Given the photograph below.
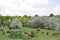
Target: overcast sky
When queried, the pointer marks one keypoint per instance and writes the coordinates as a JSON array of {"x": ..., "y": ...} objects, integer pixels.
[{"x": 29, "y": 7}]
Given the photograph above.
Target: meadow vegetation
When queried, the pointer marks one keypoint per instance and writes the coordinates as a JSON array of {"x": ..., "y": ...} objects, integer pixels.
[{"x": 30, "y": 27}]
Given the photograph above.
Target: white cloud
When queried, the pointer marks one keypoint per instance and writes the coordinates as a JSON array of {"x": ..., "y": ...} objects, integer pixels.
[
  {"x": 22, "y": 7},
  {"x": 57, "y": 10},
  {"x": 36, "y": 2},
  {"x": 41, "y": 11}
]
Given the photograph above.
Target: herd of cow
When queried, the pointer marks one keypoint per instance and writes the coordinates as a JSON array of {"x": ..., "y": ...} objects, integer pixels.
[{"x": 31, "y": 34}]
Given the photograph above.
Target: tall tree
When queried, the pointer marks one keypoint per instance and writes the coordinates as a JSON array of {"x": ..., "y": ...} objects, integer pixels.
[
  {"x": 51, "y": 15},
  {"x": 36, "y": 15},
  {"x": 25, "y": 16}
]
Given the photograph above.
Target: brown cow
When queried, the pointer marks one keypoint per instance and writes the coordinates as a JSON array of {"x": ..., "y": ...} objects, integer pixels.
[
  {"x": 9, "y": 31},
  {"x": 55, "y": 33},
  {"x": 3, "y": 33},
  {"x": 25, "y": 33},
  {"x": 31, "y": 35},
  {"x": 38, "y": 29},
  {"x": 42, "y": 32},
  {"x": 32, "y": 32},
  {"x": 1, "y": 29}
]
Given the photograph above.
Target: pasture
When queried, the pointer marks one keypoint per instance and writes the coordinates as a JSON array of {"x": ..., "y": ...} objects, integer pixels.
[{"x": 39, "y": 35}]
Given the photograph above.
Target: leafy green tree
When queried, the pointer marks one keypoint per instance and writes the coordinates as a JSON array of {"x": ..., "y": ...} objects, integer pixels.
[
  {"x": 24, "y": 21},
  {"x": 36, "y": 15},
  {"x": 51, "y": 15},
  {"x": 25, "y": 16}
]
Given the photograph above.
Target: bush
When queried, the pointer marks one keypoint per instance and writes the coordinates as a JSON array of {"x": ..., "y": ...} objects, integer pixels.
[
  {"x": 19, "y": 35},
  {"x": 43, "y": 22},
  {"x": 15, "y": 24}
]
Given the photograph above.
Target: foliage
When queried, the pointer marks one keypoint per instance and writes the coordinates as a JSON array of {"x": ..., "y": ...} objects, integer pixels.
[
  {"x": 51, "y": 15},
  {"x": 54, "y": 23},
  {"x": 37, "y": 22},
  {"x": 15, "y": 24},
  {"x": 43, "y": 22},
  {"x": 24, "y": 21},
  {"x": 17, "y": 34},
  {"x": 4, "y": 20}
]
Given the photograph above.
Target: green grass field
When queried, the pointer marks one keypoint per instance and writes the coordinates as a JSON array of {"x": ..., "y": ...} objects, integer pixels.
[{"x": 38, "y": 37}]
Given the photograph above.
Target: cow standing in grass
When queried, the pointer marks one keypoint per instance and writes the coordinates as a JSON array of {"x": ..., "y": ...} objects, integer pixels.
[
  {"x": 38, "y": 30},
  {"x": 47, "y": 33},
  {"x": 31, "y": 35},
  {"x": 55, "y": 33},
  {"x": 42, "y": 32},
  {"x": 2, "y": 31},
  {"x": 9, "y": 31},
  {"x": 25, "y": 33}
]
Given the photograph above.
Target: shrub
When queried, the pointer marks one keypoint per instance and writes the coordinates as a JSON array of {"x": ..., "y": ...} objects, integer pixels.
[
  {"x": 43, "y": 22},
  {"x": 37, "y": 22},
  {"x": 17, "y": 34},
  {"x": 15, "y": 24}
]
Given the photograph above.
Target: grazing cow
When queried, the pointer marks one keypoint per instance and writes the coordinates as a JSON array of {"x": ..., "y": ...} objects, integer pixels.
[
  {"x": 55, "y": 33},
  {"x": 38, "y": 29},
  {"x": 25, "y": 32},
  {"x": 1, "y": 29},
  {"x": 42, "y": 32},
  {"x": 47, "y": 33},
  {"x": 32, "y": 32},
  {"x": 3, "y": 33},
  {"x": 31, "y": 35},
  {"x": 9, "y": 31}
]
